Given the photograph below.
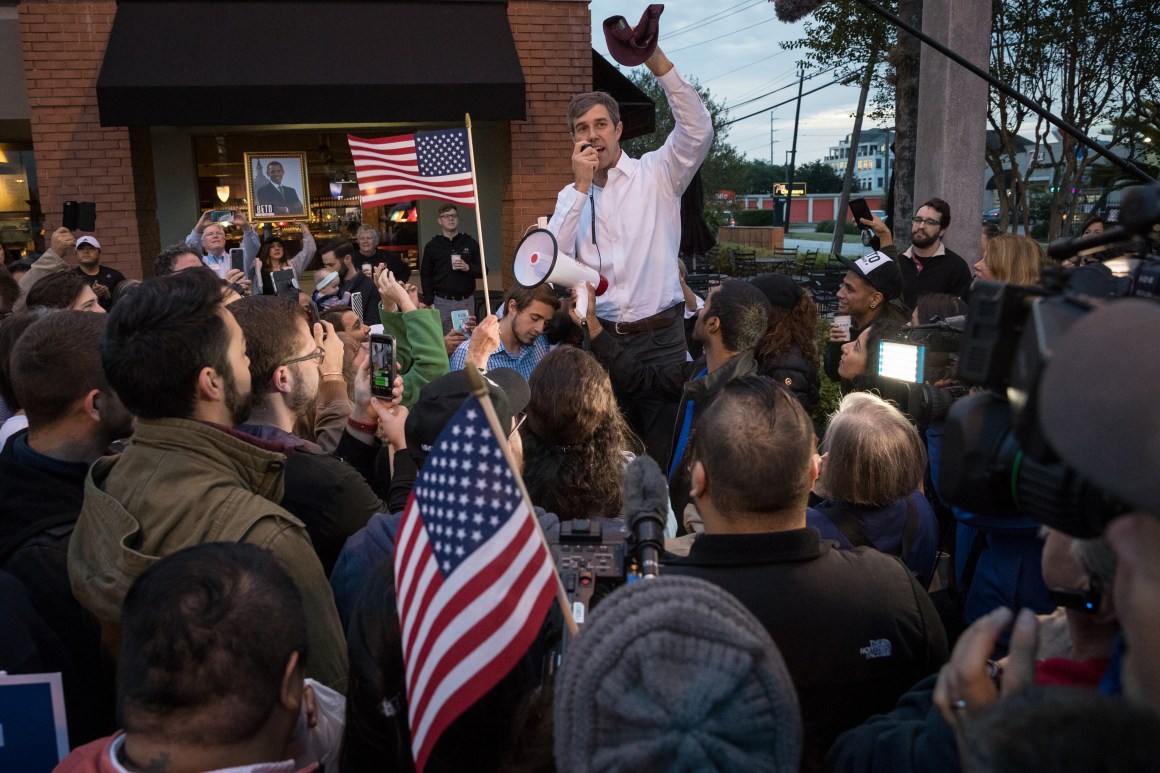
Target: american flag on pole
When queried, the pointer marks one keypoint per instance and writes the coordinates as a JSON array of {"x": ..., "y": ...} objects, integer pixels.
[
  {"x": 423, "y": 165},
  {"x": 472, "y": 576}
]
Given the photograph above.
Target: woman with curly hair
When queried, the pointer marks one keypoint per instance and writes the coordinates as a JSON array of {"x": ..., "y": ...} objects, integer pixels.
[
  {"x": 576, "y": 441},
  {"x": 788, "y": 353},
  {"x": 272, "y": 257}
]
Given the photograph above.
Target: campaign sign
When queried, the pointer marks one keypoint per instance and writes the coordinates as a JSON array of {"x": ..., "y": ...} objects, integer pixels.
[{"x": 33, "y": 731}]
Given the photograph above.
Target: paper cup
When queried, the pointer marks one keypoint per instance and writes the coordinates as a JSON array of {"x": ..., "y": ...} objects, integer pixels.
[{"x": 843, "y": 321}]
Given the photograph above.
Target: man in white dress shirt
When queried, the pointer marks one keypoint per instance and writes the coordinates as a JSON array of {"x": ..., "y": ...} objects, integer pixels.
[{"x": 637, "y": 233}]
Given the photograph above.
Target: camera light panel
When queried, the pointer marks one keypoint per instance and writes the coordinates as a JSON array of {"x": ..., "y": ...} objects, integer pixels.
[{"x": 901, "y": 361}]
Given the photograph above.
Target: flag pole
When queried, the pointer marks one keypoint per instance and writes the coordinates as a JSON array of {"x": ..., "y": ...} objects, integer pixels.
[
  {"x": 478, "y": 221},
  {"x": 479, "y": 389}
]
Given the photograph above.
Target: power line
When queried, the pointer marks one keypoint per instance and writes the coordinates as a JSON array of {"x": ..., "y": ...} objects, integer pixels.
[
  {"x": 781, "y": 88},
  {"x": 834, "y": 82},
  {"x": 760, "y": 86},
  {"x": 712, "y": 18},
  {"x": 727, "y": 34},
  {"x": 742, "y": 67}
]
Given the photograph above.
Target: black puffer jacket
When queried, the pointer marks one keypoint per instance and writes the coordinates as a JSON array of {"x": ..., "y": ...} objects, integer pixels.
[{"x": 798, "y": 373}]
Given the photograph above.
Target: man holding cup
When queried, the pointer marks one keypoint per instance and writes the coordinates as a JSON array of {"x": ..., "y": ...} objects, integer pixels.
[
  {"x": 451, "y": 264},
  {"x": 870, "y": 291}
]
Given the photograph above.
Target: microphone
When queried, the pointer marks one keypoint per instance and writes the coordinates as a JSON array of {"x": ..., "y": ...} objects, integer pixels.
[
  {"x": 646, "y": 504},
  {"x": 591, "y": 197},
  {"x": 792, "y": 10},
  {"x": 1062, "y": 249}
]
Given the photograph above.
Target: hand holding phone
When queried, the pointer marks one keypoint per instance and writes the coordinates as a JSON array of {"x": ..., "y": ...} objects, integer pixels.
[
  {"x": 459, "y": 319},
  {"x": 861, "y": 211},
  {"x": 382, "y": 365}
]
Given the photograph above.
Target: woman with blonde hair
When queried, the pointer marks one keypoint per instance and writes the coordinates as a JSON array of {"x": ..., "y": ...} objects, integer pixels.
[
  {"x": 870, "y": 477},
  {"x": 1013, "y": 259}
]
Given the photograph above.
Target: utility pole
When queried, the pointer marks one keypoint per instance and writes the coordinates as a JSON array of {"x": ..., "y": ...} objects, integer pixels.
[
  {"x": 772, "y": 200},
  {"x": 793, "y": 152}
]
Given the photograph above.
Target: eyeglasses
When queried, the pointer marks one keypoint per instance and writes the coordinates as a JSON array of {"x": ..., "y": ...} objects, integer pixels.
[
  {"x": 926, "y": 221},
  {"x": 318, "y": 354},
  {"x": 448, "y": 216}
]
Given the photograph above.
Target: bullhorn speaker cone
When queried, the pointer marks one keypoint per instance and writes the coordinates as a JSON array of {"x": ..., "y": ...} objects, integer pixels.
[{"x": 539, "y": 260}]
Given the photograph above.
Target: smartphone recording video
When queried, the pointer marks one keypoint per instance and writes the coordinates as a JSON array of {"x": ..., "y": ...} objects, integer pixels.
[{"x": 382, "y": 365}]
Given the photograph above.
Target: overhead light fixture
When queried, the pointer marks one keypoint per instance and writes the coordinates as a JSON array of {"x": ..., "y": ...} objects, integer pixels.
[
  {"x": 336, "y": 190},
  {"x": 223, "y": 193}
]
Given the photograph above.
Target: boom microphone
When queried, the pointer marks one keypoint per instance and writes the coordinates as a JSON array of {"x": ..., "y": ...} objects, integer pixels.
[
  {"x": 792, "y": 10},
  {"x": 646, "y": 505}
]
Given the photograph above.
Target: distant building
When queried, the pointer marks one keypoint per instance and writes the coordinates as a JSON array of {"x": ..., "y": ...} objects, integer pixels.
[{"x": 872, "y": 167}]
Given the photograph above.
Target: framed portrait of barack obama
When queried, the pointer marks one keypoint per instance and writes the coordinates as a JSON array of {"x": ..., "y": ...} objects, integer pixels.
[{"x": 276, "y": 186}]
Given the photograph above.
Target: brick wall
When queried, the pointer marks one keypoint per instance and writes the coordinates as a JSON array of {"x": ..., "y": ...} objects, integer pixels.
[
  {"x": 554, "y": 42},
  {"x": 63, "y": 44}
]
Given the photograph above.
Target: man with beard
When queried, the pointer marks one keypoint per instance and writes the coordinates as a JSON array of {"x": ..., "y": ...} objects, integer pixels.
[
  {"x": 102, "y": 279},
  {"x": 338, "y": 256},
  {"x": 330, "y": 494},
  {"x": 732, "y": 322},
  {"x": 928, "y": 266},
  {"x": 177, "y": 359}
]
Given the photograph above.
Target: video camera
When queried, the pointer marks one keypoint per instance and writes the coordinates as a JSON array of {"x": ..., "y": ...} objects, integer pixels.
[
  {"x": 596, "y": 556},
  {"x": 911, "y": 362},
  {"x": 996, "y": 458}
]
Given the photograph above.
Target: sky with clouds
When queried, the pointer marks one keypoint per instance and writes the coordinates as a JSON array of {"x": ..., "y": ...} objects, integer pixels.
[{"x": 731, "y": 47}]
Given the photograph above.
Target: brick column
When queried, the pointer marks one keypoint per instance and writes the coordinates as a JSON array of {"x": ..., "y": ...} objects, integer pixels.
[
  {"x": 554, "y": 41},
  {"x": 63, "y": 43}
]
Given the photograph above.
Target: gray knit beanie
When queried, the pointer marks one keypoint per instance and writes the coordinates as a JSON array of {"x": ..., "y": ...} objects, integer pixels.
[{"x": 675, "y": 674}]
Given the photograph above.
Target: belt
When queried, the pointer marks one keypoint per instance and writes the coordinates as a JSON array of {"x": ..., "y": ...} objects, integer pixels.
[
  {"x": 454, "y": 297},
  {"x": 655, "y": 322}
]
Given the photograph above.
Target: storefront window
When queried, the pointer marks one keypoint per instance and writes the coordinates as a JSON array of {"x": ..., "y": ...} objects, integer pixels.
[
  {"x": 334, "y": 208},
  {"x": 20, "y": 217}
]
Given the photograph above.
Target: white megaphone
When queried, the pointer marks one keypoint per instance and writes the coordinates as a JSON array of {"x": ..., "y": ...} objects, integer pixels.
[{"x": 539, "y": 260}]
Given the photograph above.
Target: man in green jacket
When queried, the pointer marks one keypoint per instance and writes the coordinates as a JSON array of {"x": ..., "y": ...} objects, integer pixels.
[{"x": 177, "y": 358}]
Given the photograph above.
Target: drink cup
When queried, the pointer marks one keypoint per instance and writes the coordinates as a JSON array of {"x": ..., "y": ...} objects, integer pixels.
[{"x": 843, "y": 321}]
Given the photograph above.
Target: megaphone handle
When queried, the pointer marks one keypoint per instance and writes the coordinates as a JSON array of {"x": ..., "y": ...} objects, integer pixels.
[{"x": 582, "y": 300}]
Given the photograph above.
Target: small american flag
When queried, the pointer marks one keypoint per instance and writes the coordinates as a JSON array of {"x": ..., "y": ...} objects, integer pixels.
[
  {"x": 423, "y": 165},
  {"x": 473, "y": 577}
]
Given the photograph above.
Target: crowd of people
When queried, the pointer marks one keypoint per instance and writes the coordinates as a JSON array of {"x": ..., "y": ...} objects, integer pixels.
[{"x": 202, "y": 500}]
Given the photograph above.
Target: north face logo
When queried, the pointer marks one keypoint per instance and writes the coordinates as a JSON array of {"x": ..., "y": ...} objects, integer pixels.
[{"x": 877, "y": 648}]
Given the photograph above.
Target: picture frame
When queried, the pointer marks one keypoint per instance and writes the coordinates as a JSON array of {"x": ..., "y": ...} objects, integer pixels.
[{"x": 270, "y": 200}]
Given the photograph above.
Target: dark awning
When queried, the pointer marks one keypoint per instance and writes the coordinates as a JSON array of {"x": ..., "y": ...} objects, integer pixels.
[
  {"x": 255, "y": 62},
  {"x": 637, "y": 111}
]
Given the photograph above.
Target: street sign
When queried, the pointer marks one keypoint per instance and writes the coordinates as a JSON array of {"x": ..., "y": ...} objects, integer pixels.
[{"x": 782, "y": 189}]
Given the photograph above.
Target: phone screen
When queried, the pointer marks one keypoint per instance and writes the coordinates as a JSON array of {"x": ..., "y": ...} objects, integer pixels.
[
  {"x": 458, "y": 319},
  {"x": 221, "y": 216},
  {"x": 382, "y": 365}
]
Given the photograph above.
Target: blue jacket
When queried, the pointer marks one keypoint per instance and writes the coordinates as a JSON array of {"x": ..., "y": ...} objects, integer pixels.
[{"x": 883, "y": 527}]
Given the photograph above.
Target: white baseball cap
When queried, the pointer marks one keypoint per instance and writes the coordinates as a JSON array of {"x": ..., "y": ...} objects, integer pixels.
[{"x": 81, "y": 242}]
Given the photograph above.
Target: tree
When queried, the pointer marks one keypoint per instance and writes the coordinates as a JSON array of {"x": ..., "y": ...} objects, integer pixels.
[
  {"x": 723, "y": 167},
  {"x": 1089, "y": 62},
  {"x": 850, "y": 38}
]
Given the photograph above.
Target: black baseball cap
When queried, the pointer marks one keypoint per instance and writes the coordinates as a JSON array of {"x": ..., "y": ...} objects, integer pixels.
[
  {"x": 439, "y": 400},
  {"x": 879, "y": 271}
]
